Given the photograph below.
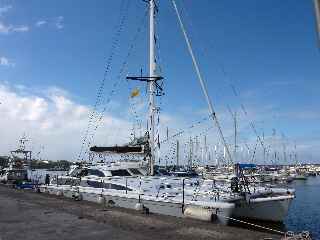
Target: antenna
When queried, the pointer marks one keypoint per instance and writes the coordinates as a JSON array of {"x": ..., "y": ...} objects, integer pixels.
[
  {"x": 295, "y": 153},
  {"x": 205, "y": 151},
  {"x": 234, "y": 116},
  {"x": 284, "y": 148}
]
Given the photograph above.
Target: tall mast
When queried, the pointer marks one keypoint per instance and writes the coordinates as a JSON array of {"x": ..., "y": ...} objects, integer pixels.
[
  {"x": 190, "y": 153},
  {"x": 152, "y": 69},
  {"x": 235, "y": 137},
  {"x": 264, "y": 149},
  {"x": 155, "y": 86},
  {"x": 177, "y": 164},
  {"x": 234, "y": 116},
  {"x": 205, "y": 160}
]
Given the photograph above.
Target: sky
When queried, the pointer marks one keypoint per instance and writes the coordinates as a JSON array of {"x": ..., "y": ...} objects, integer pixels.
[{"x": 54, "y": 56}]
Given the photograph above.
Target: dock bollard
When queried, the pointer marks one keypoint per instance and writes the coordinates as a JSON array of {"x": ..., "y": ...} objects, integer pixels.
[
  {"x": 77, "y": 196},
  {"x": 59, "y": 193},
  {"x": 138, "y": 207},
  {"x": 101, "y": 200}
]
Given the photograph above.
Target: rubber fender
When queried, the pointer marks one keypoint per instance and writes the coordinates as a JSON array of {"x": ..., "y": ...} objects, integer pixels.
[
  {"x": 59, "y": 193},
  {"x": 138, "y": 207},
  {"x": 199, "y": 213}
]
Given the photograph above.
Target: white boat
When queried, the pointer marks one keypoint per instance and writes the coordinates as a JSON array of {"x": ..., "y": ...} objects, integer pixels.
[
  {"x": 273, "y": 208},
  {"x": 125, "y": 184},
  {"x": 175, "y": 193},
  {"x": 19, "y": 162},
  {"x": 299, "y": 177},
  {"x": 13, "y": 175},
  {"x": 174, "y": 196}
]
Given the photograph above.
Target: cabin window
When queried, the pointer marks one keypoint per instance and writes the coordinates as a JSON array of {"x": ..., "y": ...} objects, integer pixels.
[
  {"x": 95, "y": 173},
  {"x": 98, "y": 184},
  {"x": 135, "y": 171},
  {"x": 79, "y": 173},
  {"x": 95, "y": 184},
  {"x": 75, "y": 172},
  {"x": 119, "y": 187},
  {"x": 120, "y": 172},
  {"x": 83, "y": 173},
  {"x": 73, "y": 182}
]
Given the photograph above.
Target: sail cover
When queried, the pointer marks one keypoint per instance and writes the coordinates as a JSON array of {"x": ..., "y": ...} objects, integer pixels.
[
  {"x": 247, "y": 166},
  {"x": 118, "y": 149}
]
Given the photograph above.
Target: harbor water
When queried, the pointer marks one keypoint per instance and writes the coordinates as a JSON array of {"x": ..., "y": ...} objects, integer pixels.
[{"x": 304, "y": 213}]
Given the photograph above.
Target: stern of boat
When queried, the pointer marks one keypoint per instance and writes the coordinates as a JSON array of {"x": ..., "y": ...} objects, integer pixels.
[{"x": 271, "y": 209}]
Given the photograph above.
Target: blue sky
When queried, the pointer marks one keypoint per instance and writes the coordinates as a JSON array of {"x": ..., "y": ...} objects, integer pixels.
[{"x": 268, "y": 50}]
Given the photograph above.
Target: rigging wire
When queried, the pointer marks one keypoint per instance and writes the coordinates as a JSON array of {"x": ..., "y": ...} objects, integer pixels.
[
  {"x": 159, "y": 70},
  {"x": 202, "y": 83},
  {"x": 232, "y": 87},
  {"x": 172, "y": 148},
  {"x": 114, "y": 45},
  {"x": 182, "y": 131},
  {"x": 133, "y": 107},
  {"x": 122, "y": 71}
]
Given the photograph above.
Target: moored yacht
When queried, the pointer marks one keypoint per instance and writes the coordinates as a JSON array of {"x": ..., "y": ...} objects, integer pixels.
[
  {"x": 18, "y": 164},
  {"x": 134, "y": 184}
]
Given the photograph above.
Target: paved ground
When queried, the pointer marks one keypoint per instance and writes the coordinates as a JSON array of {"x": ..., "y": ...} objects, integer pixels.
[{"x": 29, "y": 216}]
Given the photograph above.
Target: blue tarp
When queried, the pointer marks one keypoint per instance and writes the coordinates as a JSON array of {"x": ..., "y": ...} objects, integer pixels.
[
  {"x": 247, "y": 165},
  {"x": 25, "y": 185}
]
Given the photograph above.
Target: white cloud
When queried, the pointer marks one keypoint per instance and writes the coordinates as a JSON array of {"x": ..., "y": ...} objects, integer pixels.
[
  {"x": 52, "y": 120},
  {"x": 22, "y": 28},
  {"x": 6, "y": 29},
  {"x": 41, "y": 23},
  {"x": 9, "y": 28},
  {"x": 6, "y": 62},
  {"x": 59, "y": 22},
  {"x": 56, "y": 22},
  {"x": 4, "y": 9}
]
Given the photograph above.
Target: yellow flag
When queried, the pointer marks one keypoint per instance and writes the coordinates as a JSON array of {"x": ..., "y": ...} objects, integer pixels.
[{"x": 135, "y": 92}]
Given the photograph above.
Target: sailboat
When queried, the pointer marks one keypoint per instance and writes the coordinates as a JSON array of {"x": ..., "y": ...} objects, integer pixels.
[{"x": 134, "y": 185}]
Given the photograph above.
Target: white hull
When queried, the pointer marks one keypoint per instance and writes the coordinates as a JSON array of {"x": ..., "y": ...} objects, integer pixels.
[
  {"x": 274, "y": 210},
  {"x": 154, "y": 205},
  {"x": 300, "y": 177}
]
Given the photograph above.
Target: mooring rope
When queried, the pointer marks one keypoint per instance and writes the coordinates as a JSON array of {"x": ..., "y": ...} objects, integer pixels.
[
  {"x": 287, "y": 235},
  {"x": 252, "y": 224}
]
